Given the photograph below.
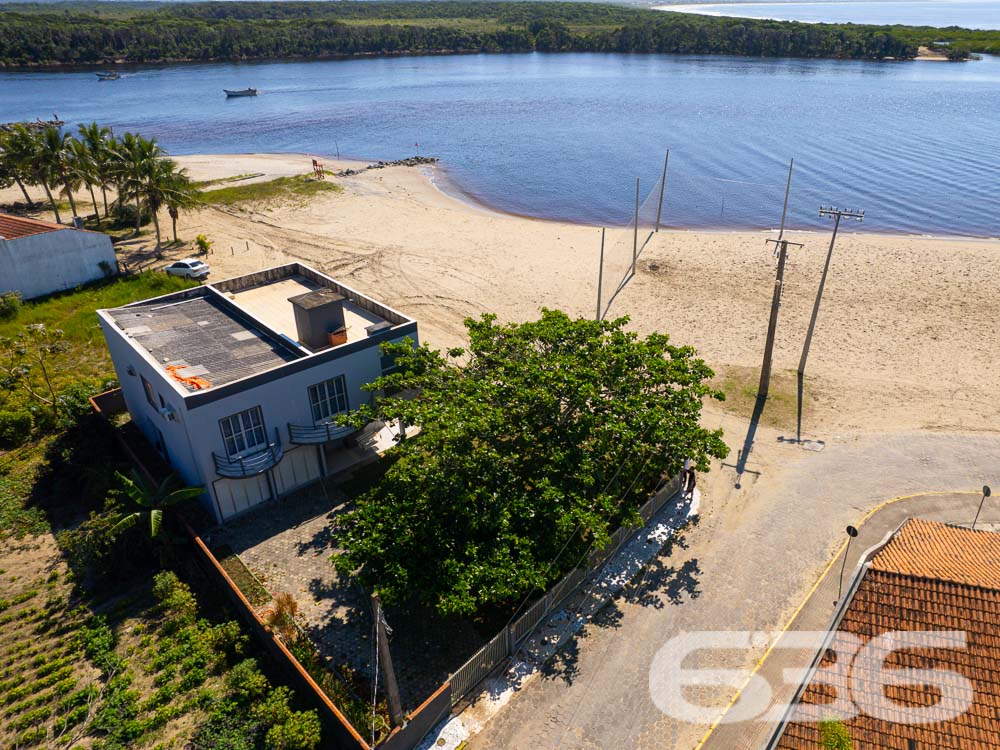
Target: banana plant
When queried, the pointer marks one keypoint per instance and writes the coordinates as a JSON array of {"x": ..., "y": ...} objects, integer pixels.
[{"x": 151, "y": 500}]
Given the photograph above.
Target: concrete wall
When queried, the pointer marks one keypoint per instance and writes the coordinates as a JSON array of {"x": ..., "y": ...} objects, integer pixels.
[{"x": 53, "y": 261}]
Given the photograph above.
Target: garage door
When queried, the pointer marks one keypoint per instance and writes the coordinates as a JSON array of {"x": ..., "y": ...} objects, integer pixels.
[
  {"x": 236, "y": 496},
  {"x": 299, "y": 467}
]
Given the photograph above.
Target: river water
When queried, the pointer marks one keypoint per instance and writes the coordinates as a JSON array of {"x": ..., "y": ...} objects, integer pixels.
[
  {"x": 969, "y": 14},
  {"x": 915, "y": 144}
]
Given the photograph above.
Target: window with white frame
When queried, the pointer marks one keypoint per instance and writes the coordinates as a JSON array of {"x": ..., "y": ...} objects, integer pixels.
[
  {"x": 244, "y": 433},
  {"x": 328, "y": 398}
]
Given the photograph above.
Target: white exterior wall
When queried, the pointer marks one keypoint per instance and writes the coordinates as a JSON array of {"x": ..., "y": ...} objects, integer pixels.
[
  {"x": 53, "y": 261},
  {"x": 194, "y": 434},
  {"x": 146, "y": 418},
  {"x": 281, "y": 401}
]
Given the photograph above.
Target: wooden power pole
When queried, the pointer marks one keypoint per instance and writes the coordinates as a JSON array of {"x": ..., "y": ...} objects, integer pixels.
[
  {"x": 385, "y": 662},
  {"x": 663, "y": 185},
  {"x": 772, "y": 324},
  {"x": 836, "y": 214},
  {"x": 635, "y": 233},
  {"x": 600, "y": 278}
]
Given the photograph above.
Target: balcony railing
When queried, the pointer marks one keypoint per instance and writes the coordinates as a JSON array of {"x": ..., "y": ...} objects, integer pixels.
[
  {"x": 238, "y": 467},
  {"x": 320, "y": 433}
]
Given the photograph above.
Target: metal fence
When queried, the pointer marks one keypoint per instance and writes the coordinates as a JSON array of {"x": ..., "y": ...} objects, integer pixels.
[{"x": 504, "y": 645}]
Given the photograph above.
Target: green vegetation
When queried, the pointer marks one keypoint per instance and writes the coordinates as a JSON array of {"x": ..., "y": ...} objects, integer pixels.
[
  {"x": 145, "y": 668},
  {"x": 740, "y": 386},
  {"x": 548, "y": 438},
  {"x": 295, "y": 189},
  {"x": 78, "y": 370},
  {"x": 102, "y": 33},
  {"x": 835, "y": 735},
  {"x": 143, "y": 179}
]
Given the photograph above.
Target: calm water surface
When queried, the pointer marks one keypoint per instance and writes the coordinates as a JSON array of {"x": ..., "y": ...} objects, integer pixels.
[
  {"x": 564, "y": 136},
  {"x": 969, "y": 14}
]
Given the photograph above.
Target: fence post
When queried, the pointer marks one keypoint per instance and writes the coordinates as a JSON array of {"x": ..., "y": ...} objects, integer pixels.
[{"x": 510, "y": 640}]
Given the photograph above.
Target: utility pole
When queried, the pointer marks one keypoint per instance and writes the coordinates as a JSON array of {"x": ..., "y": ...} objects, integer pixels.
[
  {"x": 779, "y": 280},
  {"x": 385, "y": 660},
  {"x": 600, "y": 278},
  {"x": 837, "y": 214},
  {"x": 788, "y": 188},
  {"x": 663, "y": 183},
  {"x": 635, "y": 234}
]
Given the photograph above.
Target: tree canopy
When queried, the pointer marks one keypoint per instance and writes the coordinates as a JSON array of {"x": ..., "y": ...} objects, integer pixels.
[
  {"x": 546, "y": 438},
  {"x": 105, "y": 33}
]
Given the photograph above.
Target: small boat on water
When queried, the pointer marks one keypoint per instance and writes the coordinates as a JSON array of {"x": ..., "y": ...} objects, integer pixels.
[
  {"x": 109, "y": 76},
  {"x": 241, "y": 92}
]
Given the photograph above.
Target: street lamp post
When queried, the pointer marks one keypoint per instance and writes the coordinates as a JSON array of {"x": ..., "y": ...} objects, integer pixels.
[
  {"x": 851, "y": 533},
  {"x": 986, "y": 494}
]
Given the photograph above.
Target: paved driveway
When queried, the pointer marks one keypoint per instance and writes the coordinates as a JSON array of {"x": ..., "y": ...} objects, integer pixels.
[{"x": 747, "y": 565}]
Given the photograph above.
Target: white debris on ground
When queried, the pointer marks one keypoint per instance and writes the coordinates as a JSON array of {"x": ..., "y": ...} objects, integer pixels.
[{"x": 562, "y": 624}]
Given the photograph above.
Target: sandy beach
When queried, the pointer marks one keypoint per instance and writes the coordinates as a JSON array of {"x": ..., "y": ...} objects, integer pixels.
[{"x": 906, "y": 337}]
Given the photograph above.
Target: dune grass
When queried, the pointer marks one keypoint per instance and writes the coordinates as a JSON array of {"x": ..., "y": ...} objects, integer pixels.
[
  {"x": 287, "y": 189},
  {"x": 740, "y": 386}
]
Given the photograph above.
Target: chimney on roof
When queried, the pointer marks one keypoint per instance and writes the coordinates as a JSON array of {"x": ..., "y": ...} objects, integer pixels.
[{"x": 319, "y": 318}]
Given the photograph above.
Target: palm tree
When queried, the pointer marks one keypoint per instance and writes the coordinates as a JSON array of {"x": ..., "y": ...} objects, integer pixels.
[
  {"x": 54, "y": 162},
  {"x": 179, "y": 193},
  {"x": 84, "y": 169},
  {"x": 99, "y": 144},
  {"x": 14, "y": 158},
  {"x": 133, "y": 155},
  {"x": 150, "y": 500}
]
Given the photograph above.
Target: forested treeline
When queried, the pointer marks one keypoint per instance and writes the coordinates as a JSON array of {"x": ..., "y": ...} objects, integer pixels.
[{"x": 102, "y": 33}]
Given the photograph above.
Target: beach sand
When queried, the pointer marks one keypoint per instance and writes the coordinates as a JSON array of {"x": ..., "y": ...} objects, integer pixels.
[{"x": 907, "y": 334}]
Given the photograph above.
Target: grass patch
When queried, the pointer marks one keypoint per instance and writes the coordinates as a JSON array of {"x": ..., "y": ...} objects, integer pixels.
[
  {"x": 73, "y": 312},
  {"x": 740, "y": 386},
  {"x": 245, "y": 581},
  {"x": 295, "y": 189}
]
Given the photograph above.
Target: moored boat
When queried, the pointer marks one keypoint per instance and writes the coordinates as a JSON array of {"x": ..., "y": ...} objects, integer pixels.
[
  {"x": 109, "y": 76},
  {"x": 241, "y": 92}
]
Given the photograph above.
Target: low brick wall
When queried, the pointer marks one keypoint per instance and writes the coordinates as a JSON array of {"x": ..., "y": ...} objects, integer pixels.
[
  {"x": 338, "y": 731},
  {"x": 420, "y": 722}
]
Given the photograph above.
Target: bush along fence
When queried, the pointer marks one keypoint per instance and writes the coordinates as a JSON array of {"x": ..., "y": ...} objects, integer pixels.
[
  {"x": 338, "y": 731},
  {"x": 506, "y": 643}
]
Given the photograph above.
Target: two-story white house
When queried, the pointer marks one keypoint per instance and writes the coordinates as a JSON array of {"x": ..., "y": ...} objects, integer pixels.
[{"x": 237, "y": 382}]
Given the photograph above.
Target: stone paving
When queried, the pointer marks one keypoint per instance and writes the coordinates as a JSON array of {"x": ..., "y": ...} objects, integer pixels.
[
  {"x": 288, "y": 545},
  {"x": 746, "y": 566}
]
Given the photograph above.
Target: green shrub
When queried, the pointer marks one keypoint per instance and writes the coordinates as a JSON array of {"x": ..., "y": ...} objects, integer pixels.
[
  {"x": 301, "y": 731},
  {"x": 225, "y": 730},
  {"x": 15, "y": 428},
  {"x": 246, "y": 683},
  {"x": 274, "y": 709},
  {"x": 204, "y": 244},
  {"x": 10, "y": 304},
  {"x": 175, "y": 598},
  {"x": 123, "y": 216}
]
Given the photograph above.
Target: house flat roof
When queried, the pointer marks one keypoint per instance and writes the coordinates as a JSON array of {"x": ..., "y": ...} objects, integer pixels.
[
  {"x": 236, "y": 328},
  {"x": 270, "y": 303},
  {"x": 15, "y": 227},
  {"x": 929, "y": 577},
  {"x": 203, "y": 339}
]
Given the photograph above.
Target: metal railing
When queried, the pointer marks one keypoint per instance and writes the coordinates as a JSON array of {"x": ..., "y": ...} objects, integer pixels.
[
  {"x": 506, "y": 643},
  {"x": 320, "y": 433},
  {"x": 239, "y": 467}
]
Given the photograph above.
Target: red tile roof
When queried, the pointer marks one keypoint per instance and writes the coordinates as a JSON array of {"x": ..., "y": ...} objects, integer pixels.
[
  {"x": 930, "y": 576},
  {"x": 15, "y": 227}
]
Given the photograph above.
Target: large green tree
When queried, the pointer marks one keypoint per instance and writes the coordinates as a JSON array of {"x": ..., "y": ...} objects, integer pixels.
[{"x": 541, "y": 438}]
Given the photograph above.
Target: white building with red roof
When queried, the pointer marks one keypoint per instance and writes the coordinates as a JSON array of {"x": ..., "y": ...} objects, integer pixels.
[{"x": 39, "y": 257}]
